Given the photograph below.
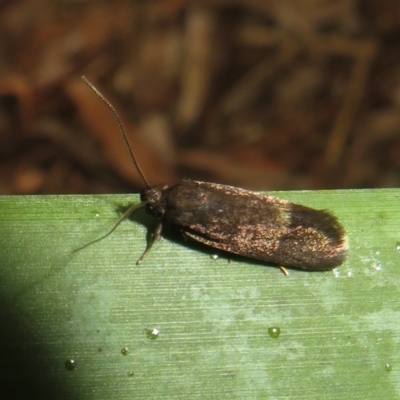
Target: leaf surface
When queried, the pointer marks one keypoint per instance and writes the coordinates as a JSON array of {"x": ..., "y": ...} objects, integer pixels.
[{"x": 339, "y": 330}]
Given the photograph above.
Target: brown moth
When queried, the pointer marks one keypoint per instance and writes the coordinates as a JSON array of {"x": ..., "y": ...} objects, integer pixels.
[{"x": 241, "y": 222}]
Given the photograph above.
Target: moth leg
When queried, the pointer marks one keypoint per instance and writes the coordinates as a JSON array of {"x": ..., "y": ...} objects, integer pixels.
[
  {"x": 284, "y": 270},
  {"x": 208, "y": 242},
  {"x": 156, "y": 236}
]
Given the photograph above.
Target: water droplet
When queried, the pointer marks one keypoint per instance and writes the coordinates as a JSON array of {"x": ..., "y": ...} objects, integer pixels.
[
  {"x": 97, "y": 215},
  {"x": 336, "y": 272},
  {"x": 70, "y": 364},
  {"x": 214, "y": 256},
  {"x": 377, "y": 266},
  {"x": 388, "y": 367},
  {"x": 377, "y": 253},
  {"x": 350, "y": 274},
  {"x": 124, "y": 351},
  {"x": 274, "y": 332},
  {"x": 152, "y": 333},
  {"x": 397, "y": 246},
  {"x": 130, "y": 374}
]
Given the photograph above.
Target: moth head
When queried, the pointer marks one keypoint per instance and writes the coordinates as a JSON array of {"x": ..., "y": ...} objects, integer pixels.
[{"x": 153, "y": 197}]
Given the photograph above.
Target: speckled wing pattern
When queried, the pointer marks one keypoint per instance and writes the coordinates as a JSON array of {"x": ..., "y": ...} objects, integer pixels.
[{"x": 257, "y": 226}]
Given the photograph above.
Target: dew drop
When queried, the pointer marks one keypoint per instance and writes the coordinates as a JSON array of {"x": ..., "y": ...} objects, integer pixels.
[
  {"x": 214, "y": 256},
  {"x": 124, "y": 351},
  {"x": 274, "y": 332},
  {"x": 130, "y": 374},
  {"x": 152, "y": 333},
  {"x": 70, "y": 364},
  {"x": 336, "y": 272},
  {"x": 397, "y": 246},
  {"x": 388, "y": 367},
  {"x": 377, "y": 266}
]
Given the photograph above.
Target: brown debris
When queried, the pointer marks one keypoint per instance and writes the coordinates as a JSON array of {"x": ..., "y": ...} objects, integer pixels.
[{"x": 259, "y": 94}]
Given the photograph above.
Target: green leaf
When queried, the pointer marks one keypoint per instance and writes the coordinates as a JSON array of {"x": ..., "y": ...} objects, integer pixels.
[{"x": 339, "y": 331}]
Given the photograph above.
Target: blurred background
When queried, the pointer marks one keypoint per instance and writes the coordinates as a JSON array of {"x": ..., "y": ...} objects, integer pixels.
[{"x": 262, "y": 94}]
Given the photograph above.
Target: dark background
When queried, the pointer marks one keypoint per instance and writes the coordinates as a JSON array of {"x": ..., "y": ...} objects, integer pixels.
[{"x": 255, "y": 93}]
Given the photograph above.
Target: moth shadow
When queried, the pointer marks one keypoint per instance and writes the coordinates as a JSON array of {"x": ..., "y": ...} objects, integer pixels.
[{"x": 143, "y": 218}]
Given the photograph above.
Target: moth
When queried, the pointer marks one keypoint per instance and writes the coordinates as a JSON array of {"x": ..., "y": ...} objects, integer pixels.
[{"x": 240, "y": 221}]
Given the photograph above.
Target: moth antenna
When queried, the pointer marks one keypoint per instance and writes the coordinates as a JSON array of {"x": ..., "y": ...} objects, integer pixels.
[
  {"x": 124, "y": 216},
  {"x": 121, "y": 129}
]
